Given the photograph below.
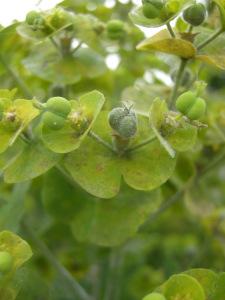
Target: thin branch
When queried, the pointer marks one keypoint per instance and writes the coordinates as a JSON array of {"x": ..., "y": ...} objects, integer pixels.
[
  {"x": 17, "y": 79},
  {"x": 55, "y": 44},
  {"x": 210, "y": 39},
  {"x": 142, "y": 144},
  {"x": 178, "y": 79},
  {"x": 77, "y": 288},
  {"x": 170, "y": 29},
  {"x": 101, "y": 141},
  {"x": 76, "y": 48}
]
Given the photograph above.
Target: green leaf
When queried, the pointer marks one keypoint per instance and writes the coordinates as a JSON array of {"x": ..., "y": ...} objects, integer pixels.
[
  {"x": 219, "y": 288},
  {"x": 65, "y": 140},
  {"x": 207, "y": 278},
  {"x": 94, "y": 167},
  {"x": 182, "y": 287},
  {"x": 111, "y": 222},
  {"x": 175, "y": 7},
  {"x": 32, "y": 162},
  {"x": 157, "y": 116},
  {"x": 163, "y": 42},
  {"x": 213, "y": 53},
  {"x": 17, "y": 247},
  {"x": 221, "y": 5},
  {"x": 26, "y": 112}
]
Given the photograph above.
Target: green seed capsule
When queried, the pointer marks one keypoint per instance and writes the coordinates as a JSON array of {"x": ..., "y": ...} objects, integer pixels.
[
  {"x": 59, "y": 106},
  {"x": 127, "y": 126},
  {"x": 195, "y": 14},
  {"x": 115, "y": 116},
  {"x": 58, "y": 18},
  {"x": 154, "y": 296},
  {"x": 191, "y": 106},
  {"x": 6, "y": 262},
  {"x": 53, "y": 121},
  {"x": 115, "y": 29},
  {"x": 32, "y": 17},
  {"x": 156, "y": 3}
]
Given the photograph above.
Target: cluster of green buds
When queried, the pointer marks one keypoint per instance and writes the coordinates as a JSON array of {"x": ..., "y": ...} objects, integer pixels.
[
  {"x": 6, "y": 262},
  {"x": 123, "y": 121},
  {"x": 115, "y": 29},
  {"x": 8, "y": 116}
]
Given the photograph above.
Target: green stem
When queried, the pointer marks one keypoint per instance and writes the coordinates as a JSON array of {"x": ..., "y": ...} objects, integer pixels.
[
  {"x": 142, "y": 144},
  {"x": 76, "y": 287},
  {"x": 170, "y": 29},
  {"x": 55, "y": 44},
  {"x": 101, "y": 141},
  {"x": 17, "y": 79},
  {"x": 178, "y": 79},
  {"x": 77, "y": 48},
  {"x": 210, "y": 39}
]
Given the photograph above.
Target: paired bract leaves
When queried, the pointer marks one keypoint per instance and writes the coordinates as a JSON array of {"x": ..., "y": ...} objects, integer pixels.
[
  {"x": 174, "y": 8},
  {"x": 66, "y": 140},
  {"x": 98, "y": 170},
  {"x": 47, "y": 63},
  {"x": 103, "y": 222}
]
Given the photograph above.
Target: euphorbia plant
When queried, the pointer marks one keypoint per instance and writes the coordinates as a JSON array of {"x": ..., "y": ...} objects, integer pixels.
[{"x": 92, "y": 153}]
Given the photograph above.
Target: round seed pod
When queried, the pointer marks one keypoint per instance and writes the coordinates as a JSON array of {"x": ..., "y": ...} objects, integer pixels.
[
  {"x": 195, "y": 14},
  {"x": 6, "y": 262},
  {"x": 59, "y": 106},
  {"x": 127, "y": 126},
  {"x": 53, "y": 121}
]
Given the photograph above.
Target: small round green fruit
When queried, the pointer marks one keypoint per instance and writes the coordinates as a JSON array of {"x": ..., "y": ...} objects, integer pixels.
[
  {"x": 115, "y": 29},
  {"x": 156, "y": 3},
  {"x": 6, "y": 262},
  {"x": 59, "y": 106},
  {"x": 195, "y": 14},
  {"x": 154, "y": 296},
  {"x": 32, "y": 17},
  {"x": 150, "y": 11},
  {"x": 127, "y": 126},
  {"x": 53, "y": 121},
  {"x": 191, "y": 106}
]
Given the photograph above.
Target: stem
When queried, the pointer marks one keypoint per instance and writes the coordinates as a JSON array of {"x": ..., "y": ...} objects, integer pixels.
[
  {"x": 18, "y": 80},
  {"x": 77, "y": 48},
  {"x": 76, "y": 287},
  {"x": 142, "y": 144},
  {"x": 210, "y": 39},
  {"x": 57, "y": 47},
  {"x": 178, "y": 81},
  {"x": 170, "y": 29},
  {"x": 101, "y": 141}
]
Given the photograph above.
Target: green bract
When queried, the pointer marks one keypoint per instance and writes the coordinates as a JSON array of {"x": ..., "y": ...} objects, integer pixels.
[
  {"x": 191, "y": 106},
  {"x": 195, "y": 14},
  {"x": 59, "y": 106},
  {"x": 53, "y": 121},
  {"x": 6, "y": 262},
  {"x": 154, "y": 296}
]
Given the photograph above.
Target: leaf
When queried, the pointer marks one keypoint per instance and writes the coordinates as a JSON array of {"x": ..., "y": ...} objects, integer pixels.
[
  {"x": 111, "y": 222},
  {"x": 157, "y": 116},
  {"x": 26, "y": 112},
  {"x": 65, "y": 139},
  {"x": 18, "y": 248},
  {"x": 138, "y": 18},
  {"x": 182, "y": 287},
  {"x": 219, "y": 288},
  {"x": 32, "y": 162},
  {"x": 163, "y": 42},
  {"x": 94, "y": 167},
  {"x": 207, "y": 278},
  {"x": 221, "y": 5},
  {"x": 213, "y": 53}
]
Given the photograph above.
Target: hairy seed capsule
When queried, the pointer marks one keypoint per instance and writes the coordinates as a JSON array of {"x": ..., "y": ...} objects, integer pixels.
[
  {"x": 6, "y": 262},
  {"x": 115, "y": 117},
  {"x": 191, "y": 106},
  {"x": 59, "y": 106},
  {"x": 127, "y": 126},
  {"x": 53, "y": 121},
  {"x": 195, "y": 14},
  {"x": 154, "y": 296}
]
